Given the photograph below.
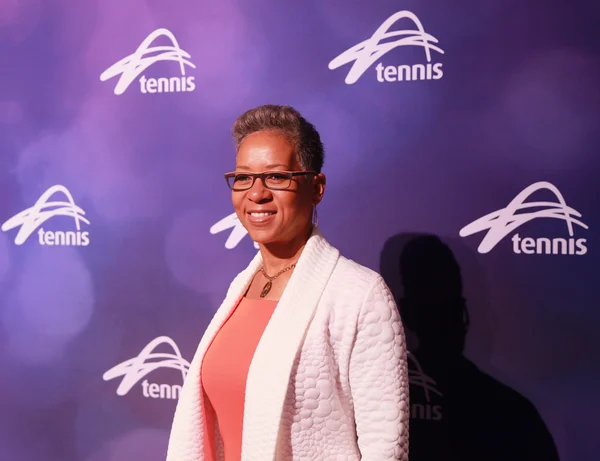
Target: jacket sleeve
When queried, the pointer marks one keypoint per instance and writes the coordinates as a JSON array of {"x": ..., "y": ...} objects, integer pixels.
[{"x": 378, "y": 376}]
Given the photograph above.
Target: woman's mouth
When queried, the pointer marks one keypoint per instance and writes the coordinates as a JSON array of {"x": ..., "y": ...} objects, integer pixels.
[{"x": 260, "y": 217}]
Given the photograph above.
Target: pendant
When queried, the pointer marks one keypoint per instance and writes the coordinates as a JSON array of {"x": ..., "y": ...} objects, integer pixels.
[{"x": 266, "y": 289}]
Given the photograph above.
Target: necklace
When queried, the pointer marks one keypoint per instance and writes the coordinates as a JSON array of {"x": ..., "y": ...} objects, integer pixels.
[{"x": 269, "y": 284}]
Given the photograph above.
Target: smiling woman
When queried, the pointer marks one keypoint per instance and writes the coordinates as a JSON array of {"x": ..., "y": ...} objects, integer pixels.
[
  {"x": 277, "y": 210},
  {"x": 306, "y": 357}
]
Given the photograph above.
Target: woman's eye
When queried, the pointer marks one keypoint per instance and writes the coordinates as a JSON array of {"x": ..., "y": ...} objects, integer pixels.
[{"x": 277, "y": 177}]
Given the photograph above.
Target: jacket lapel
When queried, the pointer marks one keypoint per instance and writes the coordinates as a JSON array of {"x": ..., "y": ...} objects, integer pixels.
[{"x": 269, "y": 373}]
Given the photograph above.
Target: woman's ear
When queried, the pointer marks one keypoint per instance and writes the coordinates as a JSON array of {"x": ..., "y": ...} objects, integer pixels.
[{"x": 318, "y": 188}]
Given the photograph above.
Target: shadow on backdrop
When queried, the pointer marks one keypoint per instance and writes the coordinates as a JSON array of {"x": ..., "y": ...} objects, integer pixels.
[{"x": 457, "y": 412}]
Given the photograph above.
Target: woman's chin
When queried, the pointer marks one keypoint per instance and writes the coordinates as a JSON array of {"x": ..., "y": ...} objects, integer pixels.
[{"x": 261, "y": 236}]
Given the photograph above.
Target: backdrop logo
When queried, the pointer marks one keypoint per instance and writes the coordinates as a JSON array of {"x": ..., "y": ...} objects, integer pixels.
[
  {"x": 502, "y": 222},
  {"x": 238, "y": 231},
  {"x": 134, "y": 370},
  {"x": 367, "y": 52},
  {"x": 32, "y": 218},
  {"x": 130, "y": 67},
  {"x": 417, "y": 378}
]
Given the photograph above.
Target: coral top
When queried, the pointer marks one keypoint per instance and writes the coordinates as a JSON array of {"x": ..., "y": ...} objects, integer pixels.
[{"x": 225, "y": 368}]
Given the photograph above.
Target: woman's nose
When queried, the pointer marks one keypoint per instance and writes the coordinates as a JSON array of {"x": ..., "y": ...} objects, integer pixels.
[{"x": 258, "y": 192}]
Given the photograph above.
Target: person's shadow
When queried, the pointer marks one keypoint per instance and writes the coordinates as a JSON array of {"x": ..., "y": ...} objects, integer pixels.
[{"x": 457, "y": 412}]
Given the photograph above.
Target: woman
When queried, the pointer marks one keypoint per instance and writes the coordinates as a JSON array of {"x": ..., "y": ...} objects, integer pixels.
[{"x": 305, "y": 359}]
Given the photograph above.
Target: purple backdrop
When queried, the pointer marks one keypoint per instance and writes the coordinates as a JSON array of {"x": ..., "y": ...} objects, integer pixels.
[{"x": 118, "y": 240}]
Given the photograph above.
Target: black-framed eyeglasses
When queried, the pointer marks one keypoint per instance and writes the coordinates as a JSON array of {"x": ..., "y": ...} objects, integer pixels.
[{"x": 275, "y": 180}]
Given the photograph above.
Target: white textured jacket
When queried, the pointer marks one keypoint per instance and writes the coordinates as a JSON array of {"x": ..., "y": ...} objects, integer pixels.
[{"x": 328, "y": 380}]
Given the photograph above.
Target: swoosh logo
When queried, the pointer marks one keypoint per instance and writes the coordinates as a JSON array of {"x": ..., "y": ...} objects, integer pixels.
[
  {"x": 43, "y": 210},
  {"x": 501, "y": 222},
  {"x": 130, "y": 67},
  {"x": 367, "y": 52},
  {"x": 135, "y": 369},
  {"x": 238, "y": 231}
]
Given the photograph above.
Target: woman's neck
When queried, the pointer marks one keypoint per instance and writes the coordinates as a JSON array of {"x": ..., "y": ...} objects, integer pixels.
[{"x": 277, "y": 256}]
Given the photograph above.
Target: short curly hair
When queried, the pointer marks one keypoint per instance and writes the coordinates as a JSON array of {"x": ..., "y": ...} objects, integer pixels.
[{"x": 288, "y": 121}]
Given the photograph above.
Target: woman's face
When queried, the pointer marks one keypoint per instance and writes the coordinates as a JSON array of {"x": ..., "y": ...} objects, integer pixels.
[{"x": 275, "y": 216}]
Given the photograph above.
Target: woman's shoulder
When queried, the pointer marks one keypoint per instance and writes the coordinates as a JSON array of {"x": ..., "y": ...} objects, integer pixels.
[
  {"x": 355, "y": 290},
  {"x": 355, "y": 277}
]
